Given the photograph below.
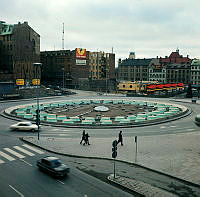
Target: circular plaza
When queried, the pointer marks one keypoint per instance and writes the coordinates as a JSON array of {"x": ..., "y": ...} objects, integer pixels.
[{"x": 95, "y": 113}]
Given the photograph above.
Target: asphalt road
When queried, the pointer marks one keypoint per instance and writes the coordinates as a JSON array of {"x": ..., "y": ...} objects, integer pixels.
[{"x": 20, "y": 177}]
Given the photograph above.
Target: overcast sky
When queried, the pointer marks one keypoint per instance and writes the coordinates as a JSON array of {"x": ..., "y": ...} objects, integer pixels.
[{"x": 150, "y": 28}]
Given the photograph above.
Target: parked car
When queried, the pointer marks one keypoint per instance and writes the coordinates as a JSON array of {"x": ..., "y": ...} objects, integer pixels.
[
  {"x": 53, "y": 166},
  {"x": 24, "y": 126}
]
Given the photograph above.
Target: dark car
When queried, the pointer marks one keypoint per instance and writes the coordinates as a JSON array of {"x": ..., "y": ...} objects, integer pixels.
[{"x": 53, "y": 166}]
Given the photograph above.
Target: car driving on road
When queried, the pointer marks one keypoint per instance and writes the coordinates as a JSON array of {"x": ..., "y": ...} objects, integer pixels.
[
  {"x": 24, "y": 126},
  {"x": 53, "y": 166}
]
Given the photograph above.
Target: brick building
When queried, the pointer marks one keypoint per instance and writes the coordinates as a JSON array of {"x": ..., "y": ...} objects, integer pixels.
[
  {"x": 20, "y": 48},
  {"x": 78, "y": 68},
  {"x": 56, "y": 66}
]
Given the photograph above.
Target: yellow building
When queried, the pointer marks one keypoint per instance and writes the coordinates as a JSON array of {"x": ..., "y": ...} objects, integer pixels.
[{"x": 135, "y": 87}]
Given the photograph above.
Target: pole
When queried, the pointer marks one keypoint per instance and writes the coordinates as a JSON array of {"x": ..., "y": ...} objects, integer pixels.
[
  {"x": 63, "y": 78},
  {"x": 38, "y": 65},
  {"x": 114, "y": 169},
  {"x": 136, "y": 149},
  {"x": 38, "y": 108},
  {"x": 136, "y": 153}
]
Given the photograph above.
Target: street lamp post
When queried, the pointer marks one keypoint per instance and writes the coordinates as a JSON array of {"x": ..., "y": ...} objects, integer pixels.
[
  {"x": 63, "y": 78},
  {"x": 38, "y": 94}
]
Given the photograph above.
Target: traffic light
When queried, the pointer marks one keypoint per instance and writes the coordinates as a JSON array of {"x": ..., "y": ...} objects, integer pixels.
[
  {"x": 114, "y": 149},
  {"x": 37, "y": 117}
]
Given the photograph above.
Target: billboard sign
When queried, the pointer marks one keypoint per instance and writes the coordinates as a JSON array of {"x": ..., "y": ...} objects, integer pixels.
[
  {"x": 80, "y": 53},
  {"x": 20, "y": 82},
  {"x": 80, "y": 62}
]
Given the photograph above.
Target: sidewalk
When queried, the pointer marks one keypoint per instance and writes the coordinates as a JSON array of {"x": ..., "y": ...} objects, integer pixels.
[{"x": 176, "y": 155}]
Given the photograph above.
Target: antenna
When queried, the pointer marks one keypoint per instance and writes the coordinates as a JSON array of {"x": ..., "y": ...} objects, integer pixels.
[{"x": 63, "y": 38}]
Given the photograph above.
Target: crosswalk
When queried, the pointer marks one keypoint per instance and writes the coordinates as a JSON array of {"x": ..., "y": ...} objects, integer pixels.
[{"x": 18, "y": 152}]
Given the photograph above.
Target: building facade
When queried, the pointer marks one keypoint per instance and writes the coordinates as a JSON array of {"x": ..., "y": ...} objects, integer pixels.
[
  {"x": 157, "y": 71},
  {"x": 20, "y": 50},
  {"x": 178, "y": 73},
  {"x": 78, "y": 68},
  {"x": 56, "y": 67},
  {"x": 134, "y": 69},
  {"x": 195, "y": 71}
]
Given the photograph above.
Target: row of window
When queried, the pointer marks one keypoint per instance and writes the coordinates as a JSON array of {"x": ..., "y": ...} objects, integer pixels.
[
  {"x": 157, "y": 75},
  {"x": 7, "y": 37},
  {"x": 195, "y": 67}
]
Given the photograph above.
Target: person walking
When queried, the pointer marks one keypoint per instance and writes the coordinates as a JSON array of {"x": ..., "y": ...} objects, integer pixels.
[
  {"x": 87, "y": 139},
  {"x": 83, "y": 137},
  {"x": 120, "y": 139}
]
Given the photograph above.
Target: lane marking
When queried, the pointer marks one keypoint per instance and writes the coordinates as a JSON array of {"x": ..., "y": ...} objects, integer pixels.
[
  {"x": 8, "y": 157},
  {"x": 24, "y": 151},
  {"x": 1, "y": 161},
  {"x": 26, "y": 162},
  {"x": 16, "y": 191},
  {"x": 190, "y": 129},
  {"x": 14, "y": 153},
  {"x": 33, "y": 149}
]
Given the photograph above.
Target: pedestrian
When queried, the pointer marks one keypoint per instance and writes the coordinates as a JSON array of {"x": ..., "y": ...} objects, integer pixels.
[
  {"x": 83, "y": 137},
  {"x": 120, "y": 139},
  {"x": 87, "y": 139}
]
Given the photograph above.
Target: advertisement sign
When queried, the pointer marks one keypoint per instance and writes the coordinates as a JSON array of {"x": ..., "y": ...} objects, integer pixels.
[
  {"x": 80, "y": 62},
  {"x": 20, "y": 82},
  {"x": 80, "y": 53},
  {"x": 36, "y": 81}
]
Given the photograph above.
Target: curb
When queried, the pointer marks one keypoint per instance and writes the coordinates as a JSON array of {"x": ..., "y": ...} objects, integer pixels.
[{"x": 140, "y": 187}]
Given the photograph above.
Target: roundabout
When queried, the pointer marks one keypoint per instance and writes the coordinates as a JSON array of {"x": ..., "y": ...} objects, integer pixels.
[{"x": 100, "y": 113}]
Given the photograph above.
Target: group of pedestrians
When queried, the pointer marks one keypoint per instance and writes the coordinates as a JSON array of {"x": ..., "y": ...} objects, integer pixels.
[{"x": 85, "y": 138}]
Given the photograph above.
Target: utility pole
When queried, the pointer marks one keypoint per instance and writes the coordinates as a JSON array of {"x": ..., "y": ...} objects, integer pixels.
[{"x": 63, "y": 37}]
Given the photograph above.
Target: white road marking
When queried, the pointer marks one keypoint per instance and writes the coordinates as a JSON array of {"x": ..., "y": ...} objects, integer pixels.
[
  {"x": 55, "y": 134},
  {"x": 32, "y": 148},
  {"x": 1, "y": 161},
  {"x": 16, "y": 191},
  {"x": 190, "y": 129},
  {"x": 172, "y": 126},
  {"x": 162, "y": 127},
  {"x": 63, "y": 134},
  {"x": 8, "y": 157},
  {"x": 14, "y": 153},
  {"x": 26, "y": 162},
  {"x": 24, "y": 151},
  {"x": 60, "y": 182}
]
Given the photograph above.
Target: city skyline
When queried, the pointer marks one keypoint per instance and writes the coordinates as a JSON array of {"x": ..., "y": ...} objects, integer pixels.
[{"x": 149, "y": 28}]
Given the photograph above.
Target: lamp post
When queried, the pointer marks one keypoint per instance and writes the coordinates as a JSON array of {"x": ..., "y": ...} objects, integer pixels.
[
  {"x": 38, "y": 65},
  {"x": 63, "y": 69}
]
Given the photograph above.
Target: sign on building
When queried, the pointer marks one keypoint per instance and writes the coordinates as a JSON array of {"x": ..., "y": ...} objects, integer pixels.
[
  {"x": 20, "y": 82},
  {"x": 80, "y": 53},
  {"x": 80, "y": 62}
]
